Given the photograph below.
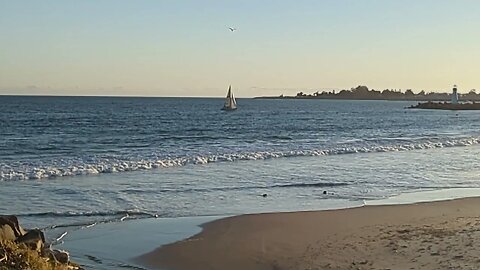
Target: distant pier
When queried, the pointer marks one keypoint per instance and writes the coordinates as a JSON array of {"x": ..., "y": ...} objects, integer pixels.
[
  {"x": 453, "y": 105},
  {"x": 446, "y": 106}
]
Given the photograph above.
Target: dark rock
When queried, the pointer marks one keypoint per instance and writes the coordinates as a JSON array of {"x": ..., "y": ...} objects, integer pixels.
[
  {"x": 61, "y": 256},
  {"x": 33, "y": 239},
  {"x": 46, "y": 252},
  {"x": 9, "y": 228},
  {"x": 7, "y": 233},
  {"x": 264, "y": 195}
]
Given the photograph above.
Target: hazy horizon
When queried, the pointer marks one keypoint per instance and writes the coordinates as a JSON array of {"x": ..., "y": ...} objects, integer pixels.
[
  {"x": 25, "y": 92},
  {"x": 184, "y": 48}
]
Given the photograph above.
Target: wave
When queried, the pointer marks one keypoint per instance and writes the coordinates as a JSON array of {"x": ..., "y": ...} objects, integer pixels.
[
  {"x": 85, "y": 220},
  {"x": 279, "y": 137},
  {"x": 289, "y": 185},
  {"x": 312, "y": 185},
  {"x": 112, "y": 165},
  {"x": 59, "y": 239},
  {"x": 90, "y": 214}
]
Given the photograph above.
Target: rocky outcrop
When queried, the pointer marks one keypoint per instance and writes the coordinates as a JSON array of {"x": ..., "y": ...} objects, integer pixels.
[
  {"x": 10, "y": 230},
  {"x": 446, "y": 106},
  {"x": 33, "y": 240},
  {"x": 61, "y": 256}
]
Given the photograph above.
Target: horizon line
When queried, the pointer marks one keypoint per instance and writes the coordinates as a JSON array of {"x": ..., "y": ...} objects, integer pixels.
[{"x": 119, "y": 96}]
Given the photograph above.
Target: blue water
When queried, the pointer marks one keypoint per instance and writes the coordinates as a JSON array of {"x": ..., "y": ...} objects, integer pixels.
[
  {"x": 68, "y": 163},
  {"x": 45, "y": 137}
]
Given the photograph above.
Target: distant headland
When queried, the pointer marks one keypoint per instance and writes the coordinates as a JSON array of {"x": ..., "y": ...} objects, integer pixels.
[
  {"x": 454, "y": 103},
  {"x": 363, "y": 93}
]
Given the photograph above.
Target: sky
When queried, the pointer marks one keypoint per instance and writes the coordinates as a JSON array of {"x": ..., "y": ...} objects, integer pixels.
[{"x": 184, "y": 47}]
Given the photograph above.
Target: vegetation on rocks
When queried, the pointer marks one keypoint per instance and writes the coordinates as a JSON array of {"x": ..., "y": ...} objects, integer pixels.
[{"x": 19, "y": 256}]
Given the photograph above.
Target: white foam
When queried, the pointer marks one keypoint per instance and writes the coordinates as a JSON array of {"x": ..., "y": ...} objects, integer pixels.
[{"x": 27, "y": 172}]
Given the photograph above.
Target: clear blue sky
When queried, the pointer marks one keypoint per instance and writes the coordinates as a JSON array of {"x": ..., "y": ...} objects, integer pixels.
[{"x": 183, "y": 48}]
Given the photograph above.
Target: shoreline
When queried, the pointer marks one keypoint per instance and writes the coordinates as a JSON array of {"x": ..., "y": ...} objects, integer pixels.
[
  {"x": 359, "y": 99},
  {"x": 400, "y": 236},
  {"x": 115, "y": 245}
]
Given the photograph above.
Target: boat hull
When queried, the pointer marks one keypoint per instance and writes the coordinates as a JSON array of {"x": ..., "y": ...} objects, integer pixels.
[{"x": 228, "y": 109}]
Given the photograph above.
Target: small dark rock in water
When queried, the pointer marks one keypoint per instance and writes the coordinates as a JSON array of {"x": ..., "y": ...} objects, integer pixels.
[
  {"x": 264, "y": 195},
  {"x": 324, "y": 192}
]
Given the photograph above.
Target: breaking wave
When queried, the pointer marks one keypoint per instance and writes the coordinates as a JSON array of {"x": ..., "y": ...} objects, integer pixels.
[
  {"x": 90, "y": 214},
  {"x": 88, "y": 219},
  {"x": 112, "y": 165},
  {"x": 186, "y": 190}
]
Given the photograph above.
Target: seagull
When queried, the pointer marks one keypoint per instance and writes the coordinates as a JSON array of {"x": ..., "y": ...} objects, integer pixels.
[{"x": 232, "y": 29}]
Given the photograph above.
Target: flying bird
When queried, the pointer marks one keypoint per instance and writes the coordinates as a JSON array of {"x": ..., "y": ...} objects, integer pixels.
[{"x": 232, "y": 29}]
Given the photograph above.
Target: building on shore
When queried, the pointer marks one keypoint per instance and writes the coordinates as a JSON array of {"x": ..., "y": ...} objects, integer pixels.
[
  {"x": 455, "y": 95},
  {"x": 453, "y": 105}
]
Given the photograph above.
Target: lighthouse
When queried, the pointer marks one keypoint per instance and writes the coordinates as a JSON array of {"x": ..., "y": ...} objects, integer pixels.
[{"x": 454, "y": 95}]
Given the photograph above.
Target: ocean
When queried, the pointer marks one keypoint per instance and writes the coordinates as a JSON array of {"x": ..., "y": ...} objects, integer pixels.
[{"x": 76, "y": 162}]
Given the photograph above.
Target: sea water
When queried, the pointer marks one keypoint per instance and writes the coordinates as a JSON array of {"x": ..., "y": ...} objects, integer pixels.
[{"x": 77, "y": 163}]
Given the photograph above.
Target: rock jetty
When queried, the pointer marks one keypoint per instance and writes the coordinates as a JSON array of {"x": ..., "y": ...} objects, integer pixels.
[
  {"x": 446, "y": 106},
  {"x": 27, "y": 249}
]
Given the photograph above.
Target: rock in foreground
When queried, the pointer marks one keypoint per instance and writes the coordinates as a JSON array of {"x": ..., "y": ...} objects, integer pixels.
[{"x": 26, "y": 249}]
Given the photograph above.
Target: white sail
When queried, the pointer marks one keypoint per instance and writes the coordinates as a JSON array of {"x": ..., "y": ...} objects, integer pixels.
[{"x": 230, "y": 102}]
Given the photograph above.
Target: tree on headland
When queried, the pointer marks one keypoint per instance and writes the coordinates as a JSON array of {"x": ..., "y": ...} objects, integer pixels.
[
  {"x": 360, "y": 90},
  {"x": 472, "y": 95},
  {"x": 409, "y": 93},
  {"x": 363, "y": 92}
]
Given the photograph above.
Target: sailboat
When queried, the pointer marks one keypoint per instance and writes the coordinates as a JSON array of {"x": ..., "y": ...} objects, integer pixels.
[{"x": 230, "y": 103}]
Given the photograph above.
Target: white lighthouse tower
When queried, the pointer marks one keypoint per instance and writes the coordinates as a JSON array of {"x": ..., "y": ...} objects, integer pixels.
[{"x": 455, "y": 95}]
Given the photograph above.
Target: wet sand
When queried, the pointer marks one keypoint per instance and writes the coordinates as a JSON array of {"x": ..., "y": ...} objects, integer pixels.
[{"x": 434, "y": 235}]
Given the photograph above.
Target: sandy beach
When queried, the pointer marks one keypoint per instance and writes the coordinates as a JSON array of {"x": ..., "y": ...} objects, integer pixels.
[{"x": 433, "y": 235}]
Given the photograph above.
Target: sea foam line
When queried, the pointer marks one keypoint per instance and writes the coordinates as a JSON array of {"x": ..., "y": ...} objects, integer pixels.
[
  {"x": 113, "y": 166},
  {"x": 88, "y": 214}
]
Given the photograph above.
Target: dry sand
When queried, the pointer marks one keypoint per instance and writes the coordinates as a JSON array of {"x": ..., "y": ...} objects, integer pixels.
[{"x": 435, "y": 235}]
